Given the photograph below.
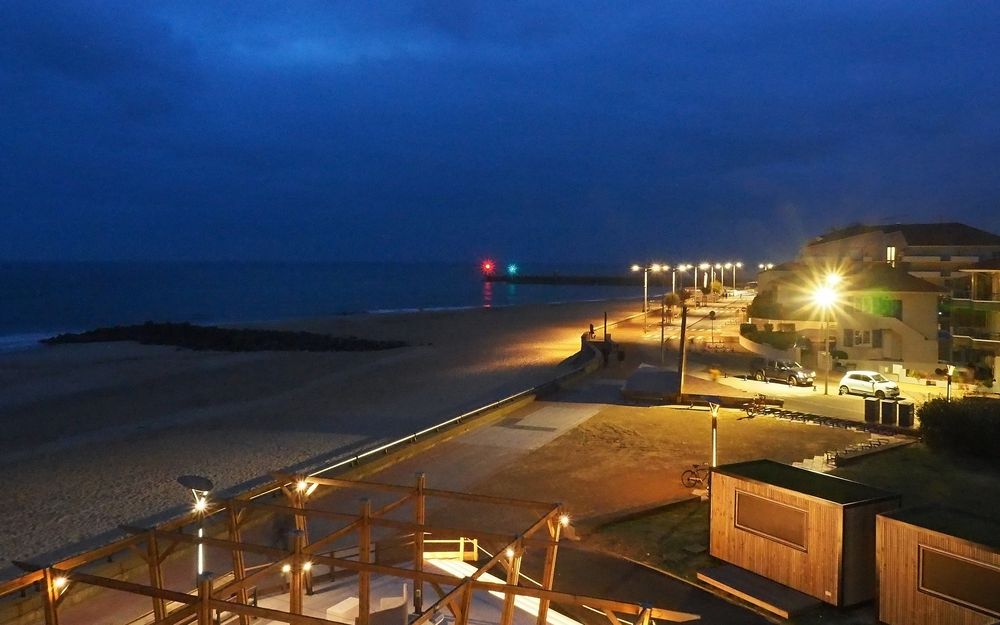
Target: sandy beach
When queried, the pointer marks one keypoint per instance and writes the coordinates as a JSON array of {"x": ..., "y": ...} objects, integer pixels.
[{"x": 93, "y": 436}]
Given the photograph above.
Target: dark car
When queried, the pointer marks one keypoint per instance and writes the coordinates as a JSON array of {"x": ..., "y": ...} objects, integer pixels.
[{"x": 784, "y": 370}]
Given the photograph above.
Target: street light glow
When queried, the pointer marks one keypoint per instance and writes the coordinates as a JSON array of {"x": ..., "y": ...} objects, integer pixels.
[
  {"x": 200, "y": 504},
  {"x": 564, "y": 520},
  {"x": 301, "y": 485},
  {"x": 636, "y": 267},
  {"x": 307, "y": 566},
  {"x": 60, "y": 582},
  {"x": 825, "y": 296},
  {"x": 510, "y": 552}
]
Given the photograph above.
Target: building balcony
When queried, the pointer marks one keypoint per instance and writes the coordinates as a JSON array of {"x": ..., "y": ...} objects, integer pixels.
[
  {"x": 975, "y": 334},
  {"x": 975, "y": 304}
]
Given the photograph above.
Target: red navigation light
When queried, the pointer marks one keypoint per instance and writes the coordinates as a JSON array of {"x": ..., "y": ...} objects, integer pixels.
[{"x": 488, "y": 266}]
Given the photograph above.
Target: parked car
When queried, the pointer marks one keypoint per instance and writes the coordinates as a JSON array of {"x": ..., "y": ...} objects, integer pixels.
[
  {"x": 868, "y": 383},
  {"x": 785, "y": 370}
]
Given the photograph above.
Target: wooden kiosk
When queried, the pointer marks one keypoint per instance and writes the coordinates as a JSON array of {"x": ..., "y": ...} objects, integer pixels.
[
  {"x": 809, "y": 531},
  {"x": 938, "y": 566}
]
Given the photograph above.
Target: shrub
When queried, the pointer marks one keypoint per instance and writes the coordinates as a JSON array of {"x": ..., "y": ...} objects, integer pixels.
[
  {"x": 768, "y": 327},
  {"x": 969, "y": 427},
  {"x": 748, "y": 329}
]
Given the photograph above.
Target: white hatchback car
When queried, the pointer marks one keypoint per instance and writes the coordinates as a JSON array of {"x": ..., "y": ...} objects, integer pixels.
[{"x": 868, "y": 383}]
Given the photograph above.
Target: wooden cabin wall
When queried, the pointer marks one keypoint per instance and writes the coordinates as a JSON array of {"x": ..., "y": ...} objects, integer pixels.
[
  {"x": 900, "y": 600},
  {"x": 814, "y": 571}
]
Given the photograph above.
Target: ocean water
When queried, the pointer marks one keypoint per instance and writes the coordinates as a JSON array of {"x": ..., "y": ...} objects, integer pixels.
[{"x": 42, "y": 299}]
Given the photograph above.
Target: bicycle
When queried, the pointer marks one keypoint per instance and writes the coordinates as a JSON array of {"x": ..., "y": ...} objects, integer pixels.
[
  {"x": 697, "y": 475},
  {"x": 755, "y": 406}
]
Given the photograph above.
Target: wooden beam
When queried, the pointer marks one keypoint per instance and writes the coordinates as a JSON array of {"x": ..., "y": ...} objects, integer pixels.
[
  {"x": 129, "y": 587},
  {"x": 513, "y": 577},
  {"x": 50, "y": 598},
  {"x": 21, "y": 582},
  {"x": 205, "y": 599},
  {"x": 430, "y": 492},
  {"x": 446, "y": 601},
  {"x": 239, "y": 562},
  {"x": 549, "y": 568},
  {"x": 419, "y": 519},
  {"x": 155, "y": 575},
  {"x": 463, "y": 618},
  {"x": 364, "y": 556},
  {"x": 329, "y": 538},
  {"x": 235, "y": 585}
]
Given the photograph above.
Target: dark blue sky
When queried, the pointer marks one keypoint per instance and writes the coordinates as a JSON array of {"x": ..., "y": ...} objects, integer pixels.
[{"x": 582, "y": 131}]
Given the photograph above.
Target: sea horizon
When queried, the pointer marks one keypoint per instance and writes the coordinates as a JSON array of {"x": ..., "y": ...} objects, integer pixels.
[{"x": 46, "y": 298}]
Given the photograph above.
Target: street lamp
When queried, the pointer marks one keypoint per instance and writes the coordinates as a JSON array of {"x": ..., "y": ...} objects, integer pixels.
[
  {"x": 704, "y": 268},
  {"x": 655, "y": 267},
  {"x": 735, "y": 266},
  {"x": 825, "y": 296},
  {"x": 200, "y": 487}
]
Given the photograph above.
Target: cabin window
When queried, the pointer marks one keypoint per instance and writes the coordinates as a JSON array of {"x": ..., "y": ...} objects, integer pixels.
[
  {"x": 890, "y": 255},
  {"x": 960, "y": 580},
  {"x": 776, "y": 521}
]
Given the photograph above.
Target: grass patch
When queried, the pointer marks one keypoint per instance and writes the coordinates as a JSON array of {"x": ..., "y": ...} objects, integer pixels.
[{"x": 674, "y": 538}]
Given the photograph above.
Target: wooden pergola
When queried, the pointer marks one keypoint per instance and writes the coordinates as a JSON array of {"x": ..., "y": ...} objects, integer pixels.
[{"x": 231, "y": 594}]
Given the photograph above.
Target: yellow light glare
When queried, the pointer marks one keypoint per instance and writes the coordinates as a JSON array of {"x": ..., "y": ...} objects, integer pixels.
[
  {"x": 301, "y": 485},
  {"x": 825, "y": 296},
  {"x": 286, "y": 568},
  {"x": 307, "y": 566},
  {"x": 832, "y": 279},
  {"x": 200, "y": 504},
  {"x": 636, "y": 267},
  {"x": 509, "y": 552},
  {"x": 704, "y": 266},
  {"x": 60, "y": 582},
  {"x": 564, "y": 520},
  {"x": 655, "y": 267}
]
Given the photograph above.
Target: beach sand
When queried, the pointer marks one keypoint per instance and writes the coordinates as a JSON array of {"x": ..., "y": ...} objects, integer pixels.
[{"x": 93, "y": 436}]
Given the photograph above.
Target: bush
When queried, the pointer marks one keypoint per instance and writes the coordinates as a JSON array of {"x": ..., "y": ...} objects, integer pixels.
[
  {"x": 748, "y": 330},
  {"x": 967, "y": 427}
]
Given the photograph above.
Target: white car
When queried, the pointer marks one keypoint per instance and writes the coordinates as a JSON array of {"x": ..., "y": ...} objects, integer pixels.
[{"x": 868, "y": 383}]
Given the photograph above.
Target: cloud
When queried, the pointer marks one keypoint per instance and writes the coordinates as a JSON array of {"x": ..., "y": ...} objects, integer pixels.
[{"x": 441, "y": 127}]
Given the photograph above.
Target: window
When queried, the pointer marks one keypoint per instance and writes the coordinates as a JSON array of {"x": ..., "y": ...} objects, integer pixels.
[
  {"x": 776, "y": 521},
  {"x": 960, "y": 580},
  {"x": 862, "y": 337},
  {"x": 890, "y": 255},
  {"x": 877, "y": 338},
  {"x": 848, "y": 338}
]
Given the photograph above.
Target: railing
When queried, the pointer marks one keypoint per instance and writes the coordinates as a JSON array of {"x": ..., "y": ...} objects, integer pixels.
[{"x": 978, "y": 334}]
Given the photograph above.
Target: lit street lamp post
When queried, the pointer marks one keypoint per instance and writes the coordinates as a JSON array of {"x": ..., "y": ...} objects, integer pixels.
[
  {"x": 655, "y": 267},
  {"x": 825, "y": 296},
  {"x": 200, "y": 487}
]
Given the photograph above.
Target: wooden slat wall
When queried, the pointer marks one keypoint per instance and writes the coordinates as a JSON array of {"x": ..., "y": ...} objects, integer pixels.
[
  {"x": 858, "y": 581},
  {"x": 815, "y": 571},
  {"x": 900, "y": 601}
]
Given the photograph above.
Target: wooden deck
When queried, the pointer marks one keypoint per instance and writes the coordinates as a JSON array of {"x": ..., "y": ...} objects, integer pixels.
[{"x": 759, "y": 591}]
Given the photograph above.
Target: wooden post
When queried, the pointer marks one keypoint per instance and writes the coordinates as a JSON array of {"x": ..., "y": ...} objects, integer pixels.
[
  {"x": 645, "y": 616},
  {"x": 420, "y": 518},
  {"x": 549, "y": 569},
  {"x": 239, "y": 563},
  {"x": 155, "y": 575},
  {"x": 513, "y": 575},
  {"x": 296, "y": 537},
  {"x": 205, "y": 598},
  {"x": 364, "y": 556},
  {"x": 51, "y": 598},
  {"x": 463, "y": 615}
]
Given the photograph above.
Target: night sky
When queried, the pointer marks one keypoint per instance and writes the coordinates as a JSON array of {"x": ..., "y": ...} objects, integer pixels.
[{"x": 579, "y": 131}]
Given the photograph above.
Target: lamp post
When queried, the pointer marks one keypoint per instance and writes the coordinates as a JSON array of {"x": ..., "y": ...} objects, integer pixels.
[
  {"x": 951, "y": 373},
  {"x": 704, "y": 272},
  {"x": 655, "y": 267},
  {"x": 825, "y": 296},
  {"x": 199, "y": 487},
  {"x": 736, "y": 266}
]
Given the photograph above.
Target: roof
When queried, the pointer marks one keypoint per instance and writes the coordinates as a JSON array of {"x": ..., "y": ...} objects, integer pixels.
[
  {"x": 820, "y": 485},
  {"x": 870, "y": 276},
  {"x": 991, "y": 264},
  {"x": 953, "y": 522},
  {"x": 918, "y": 234},
  {"x": 882, "y": 276}
]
